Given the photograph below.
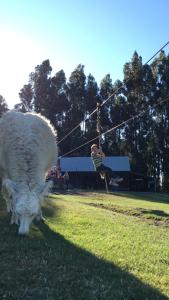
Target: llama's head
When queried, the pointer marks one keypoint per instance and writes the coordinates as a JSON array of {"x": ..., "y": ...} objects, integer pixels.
[{"x": 24, "y": 203}]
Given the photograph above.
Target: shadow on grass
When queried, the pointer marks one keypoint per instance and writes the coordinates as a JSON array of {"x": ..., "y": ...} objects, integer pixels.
[
  {"x": 50, "y": 209},
  {"x": 146, "y": 196},
  {"x": 158, "y": 213},
  {"x": 47, "y": 266}
]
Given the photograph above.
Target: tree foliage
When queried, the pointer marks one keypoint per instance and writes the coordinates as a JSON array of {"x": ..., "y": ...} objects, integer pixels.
[
  {"x": 3, "y": 105},
  {"x": 68, "y": 103}
]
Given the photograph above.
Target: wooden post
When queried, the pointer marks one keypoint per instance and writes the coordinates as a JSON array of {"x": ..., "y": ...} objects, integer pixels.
[{"x": 106, "y": 183}]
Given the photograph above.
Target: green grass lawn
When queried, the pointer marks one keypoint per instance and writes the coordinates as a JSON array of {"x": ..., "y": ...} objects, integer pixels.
[{"x": 92, "y": 246}]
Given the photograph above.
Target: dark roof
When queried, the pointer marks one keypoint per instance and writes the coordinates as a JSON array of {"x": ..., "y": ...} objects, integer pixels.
[{"x": 85, "y": 164}]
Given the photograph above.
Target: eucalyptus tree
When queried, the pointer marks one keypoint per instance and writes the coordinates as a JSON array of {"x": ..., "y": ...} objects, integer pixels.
[
  {"x": 40, "y": 82},
  {"x": 92, "y": 98},
  {"x": 160, "y": 68},
  {"x": 26, "y": 99},
  {"x": 76, "y": 94},
  {"x": 3, "y": 105},
  {"x": 106, "y": 90}
]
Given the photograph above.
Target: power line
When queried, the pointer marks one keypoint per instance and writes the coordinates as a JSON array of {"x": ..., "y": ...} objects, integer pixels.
[
  {"x": 105, "y": 101},
  {"x": 117, "y": 126},
  {"x": 157, "y": 53}
]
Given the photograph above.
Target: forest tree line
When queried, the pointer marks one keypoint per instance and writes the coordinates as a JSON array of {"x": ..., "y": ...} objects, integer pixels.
[{"x": 66, "y": 103}]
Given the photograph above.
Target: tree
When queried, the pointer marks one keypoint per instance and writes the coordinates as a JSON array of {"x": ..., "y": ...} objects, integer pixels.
[
  {"x": 160, "y": 68},
  {"x": 136, "y": 102},
  {"x": 106, "y": 90},
  {"x": 26, "y": 97},
  {"x": 57, "y": 105},
  {"x": 3, "y": 106},
  {"x": 145, "y": 139},
  {"x": 40, "y": 82},
  {"x": 91, "y": 99},
  {"x": 117, "y": 115},
  {"x": 76, "y": 96},
  {"x": 92, "y": 94}
]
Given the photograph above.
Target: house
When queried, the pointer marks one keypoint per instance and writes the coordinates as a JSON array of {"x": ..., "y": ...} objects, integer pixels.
[{"x": 83, "y": 175}]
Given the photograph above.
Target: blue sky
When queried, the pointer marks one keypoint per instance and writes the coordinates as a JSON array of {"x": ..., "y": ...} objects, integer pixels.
[{"x": 102, "y": 35}]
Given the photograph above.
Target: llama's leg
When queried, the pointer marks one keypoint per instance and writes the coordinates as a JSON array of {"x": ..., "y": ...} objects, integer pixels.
[
  {"x": 40, "y": 217},
  {"x": 14, "y": 218}
]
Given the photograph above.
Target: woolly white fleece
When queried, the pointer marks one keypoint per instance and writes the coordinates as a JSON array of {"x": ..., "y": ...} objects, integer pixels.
[{"x": 27, "y": 151}]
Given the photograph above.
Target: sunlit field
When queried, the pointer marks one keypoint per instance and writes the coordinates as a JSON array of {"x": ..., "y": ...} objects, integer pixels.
[{"x": 92, "y": 246}]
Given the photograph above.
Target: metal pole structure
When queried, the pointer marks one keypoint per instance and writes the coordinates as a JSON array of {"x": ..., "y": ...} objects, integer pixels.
[{"x": 105, "y": 178}]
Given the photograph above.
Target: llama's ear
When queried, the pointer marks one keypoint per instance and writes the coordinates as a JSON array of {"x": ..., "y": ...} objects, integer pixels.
[
  {"x": 43, "y": 190},
  {"x": 8, "y": 187}
]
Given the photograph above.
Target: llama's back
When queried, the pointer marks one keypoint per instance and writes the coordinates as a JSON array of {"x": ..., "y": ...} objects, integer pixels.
[{"x": 28, "y": 146}]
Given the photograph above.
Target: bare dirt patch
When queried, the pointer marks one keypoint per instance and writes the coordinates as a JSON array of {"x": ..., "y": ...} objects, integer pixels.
[{"x": 153, "y": 217}]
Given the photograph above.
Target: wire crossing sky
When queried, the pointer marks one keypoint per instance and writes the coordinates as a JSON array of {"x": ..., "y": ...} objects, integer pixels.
[
  {"x": 110, "y": 97},
  {"x": 102, "y": 35},
  {"x": 162, "y": 101}
]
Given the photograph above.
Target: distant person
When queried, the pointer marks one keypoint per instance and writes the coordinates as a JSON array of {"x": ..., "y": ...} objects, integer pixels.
[
  {"x": 52, "y": 175},
  {"x": 58, "y": 172},
  {"x": 66, "y": 180},
  {"x": 97, "y": 156}
]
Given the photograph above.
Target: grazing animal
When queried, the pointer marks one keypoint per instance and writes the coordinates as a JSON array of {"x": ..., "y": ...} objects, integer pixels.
[{"x": 27, "y": 151}]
